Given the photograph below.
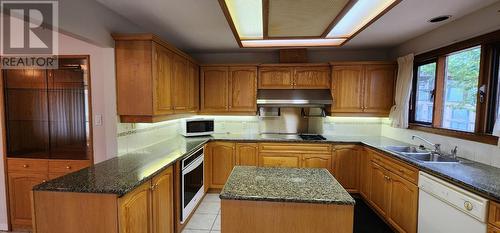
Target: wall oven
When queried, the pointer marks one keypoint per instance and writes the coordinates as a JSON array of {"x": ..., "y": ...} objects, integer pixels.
[
  {"x": 192, "y": 188},
  {"x": 197, "y": 127}
]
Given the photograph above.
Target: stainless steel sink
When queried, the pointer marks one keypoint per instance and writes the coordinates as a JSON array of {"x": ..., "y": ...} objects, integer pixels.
[{"x": 421, "y": 155}]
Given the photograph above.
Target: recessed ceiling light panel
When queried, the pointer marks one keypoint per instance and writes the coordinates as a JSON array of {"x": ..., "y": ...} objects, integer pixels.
[
  {"x": 247, "y": 17},
  {"x": 361, "y": 13},
  {"x": 292, "y": 43}
]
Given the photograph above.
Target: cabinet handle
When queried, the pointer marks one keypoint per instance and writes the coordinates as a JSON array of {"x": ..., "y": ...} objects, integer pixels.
[
  {"x": 25, "y": 165},
  {"x": 68, "y": 167},
  {"x": 43, "y": 181},
  {"x": 468, "y": 206},
  {"x": 401, "y": 170}
]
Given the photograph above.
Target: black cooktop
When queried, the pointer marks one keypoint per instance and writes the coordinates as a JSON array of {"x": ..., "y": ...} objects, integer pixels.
[{"x": 312, "y": 137}]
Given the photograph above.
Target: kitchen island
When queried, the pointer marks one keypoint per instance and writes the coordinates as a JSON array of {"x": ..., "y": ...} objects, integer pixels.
[{"x": 291, "y": 200}]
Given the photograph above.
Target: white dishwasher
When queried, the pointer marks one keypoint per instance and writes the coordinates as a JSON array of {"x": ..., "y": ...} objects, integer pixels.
[{"x": 445, "y": 208}]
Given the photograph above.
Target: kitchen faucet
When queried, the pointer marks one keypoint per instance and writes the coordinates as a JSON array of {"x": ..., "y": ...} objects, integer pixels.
[{"x": 437, "y": 147}]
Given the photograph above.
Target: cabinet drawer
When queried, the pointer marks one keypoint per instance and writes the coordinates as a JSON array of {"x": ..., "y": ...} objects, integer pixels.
[
  {"x": 31, "y": 165},
  {"x": 494, "y": 214},
  {"x": 305, "y": 148},
  {"x": 279, "y": 161},
  {"x": 67, "y": 166},
  {"x": 396, "y": 167}
]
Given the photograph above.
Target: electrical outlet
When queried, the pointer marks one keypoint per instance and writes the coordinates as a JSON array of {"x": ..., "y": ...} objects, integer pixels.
[{"x": 98, "y": 120}]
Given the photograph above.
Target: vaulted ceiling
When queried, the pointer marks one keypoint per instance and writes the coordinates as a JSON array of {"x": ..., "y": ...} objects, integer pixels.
[{"x": 200, "y": 25}]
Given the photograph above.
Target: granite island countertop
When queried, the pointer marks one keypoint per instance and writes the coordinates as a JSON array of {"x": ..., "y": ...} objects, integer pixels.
[
  {"x": 122, "y": 174},
  {"x": 299, "y": 185}
]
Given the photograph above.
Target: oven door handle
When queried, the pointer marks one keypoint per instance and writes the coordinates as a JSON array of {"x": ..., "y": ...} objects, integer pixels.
[{"x": 193, "y": 165}]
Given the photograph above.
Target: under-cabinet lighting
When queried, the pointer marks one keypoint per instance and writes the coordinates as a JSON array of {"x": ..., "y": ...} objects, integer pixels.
[
  {"x": 358, "y": 16},
  {"x": 247, "y": 18},
  {"x": 291, "y": 42}
]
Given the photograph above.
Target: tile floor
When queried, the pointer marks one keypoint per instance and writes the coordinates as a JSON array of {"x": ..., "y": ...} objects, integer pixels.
[{"x": 206, "y": 219}]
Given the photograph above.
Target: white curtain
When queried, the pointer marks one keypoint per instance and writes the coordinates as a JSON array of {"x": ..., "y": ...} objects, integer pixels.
[
  {"x": 496, "y": 129},
  {"x": 400, "y": 111}
]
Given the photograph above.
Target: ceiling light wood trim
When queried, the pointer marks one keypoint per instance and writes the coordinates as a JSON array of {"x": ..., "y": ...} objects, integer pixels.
[
  {"x": 229, "y": 20},
  {"x": 387, "y": 9},
  {"x": 265, "y": 18},
  {"x": 341, "y": 15}
]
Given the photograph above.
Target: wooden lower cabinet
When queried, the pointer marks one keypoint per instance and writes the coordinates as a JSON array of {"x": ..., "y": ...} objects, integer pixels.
[
  {"x": 492, "y": 229},
  {"x": 279, "y": 160},
  {"x": 346, "y": 166},
  {"x": 403, "y": 204},
  {"x": 23, "y": 174},
  {"x": 494, "y": 214},
  {"x": 135, "y": 210},
  {"x": 247, "y": 154},
  {"x": 146, "y": 209},
  {"x": 365, "y": 174},
  {"x": 221, "y": 162},
  {"x": 317, "y": 161},
  {"x": 20, "y": 186},
  {"x": 394, "y": 198}
]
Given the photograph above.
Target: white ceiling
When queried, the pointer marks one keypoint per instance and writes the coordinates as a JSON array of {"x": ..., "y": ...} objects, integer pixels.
[{"x": 200, "y": 25}]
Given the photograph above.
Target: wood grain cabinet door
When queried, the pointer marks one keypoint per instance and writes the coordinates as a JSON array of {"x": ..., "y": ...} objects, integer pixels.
[
  {"x": 214, "y": 89},
  {"x": 194, "y": 87},
  {"x": 163, "y": 199},
  {"x": 275, "y": 78},
  {"x": 279, "y": 160},
  {"x": 247, "y": 154},
  {"x": 492, "y": 229},
  {"x": 317, "y": 161},
  {"x": 346, "y": 166},
  {"x": 365, "y": 174},
  {"x": 162, "y": 80},
  {"x": 181, "y": 88},
  {"x": 379, "y": 189},
  {"x": 379, "y": 88},
  {"x": 135, "y": 210},
  {"x": 494, "y": 214},
  {"x": 243, "y": 89},
  {"x": 311, "y": 77},
  {"x": 347, "y": 89},
  {"x": 403, "y": 204},
  {"x": 222, "y": 162},
  {"x": 20, "y": 186}
]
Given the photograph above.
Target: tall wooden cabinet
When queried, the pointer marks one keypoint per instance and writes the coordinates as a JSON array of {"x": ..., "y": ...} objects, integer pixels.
[
  {"x": 229, "y": 89},
  {"x": 163, "y": 76},
  {"x": 363, "y": 88},
  {"x": 298, "y": 76}
]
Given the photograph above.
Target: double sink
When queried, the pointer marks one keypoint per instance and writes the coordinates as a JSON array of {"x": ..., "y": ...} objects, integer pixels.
[{"x": 415, "y": 153}]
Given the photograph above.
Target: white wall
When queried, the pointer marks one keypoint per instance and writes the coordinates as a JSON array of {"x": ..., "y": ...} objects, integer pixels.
[{"x": 475, "y": 24}]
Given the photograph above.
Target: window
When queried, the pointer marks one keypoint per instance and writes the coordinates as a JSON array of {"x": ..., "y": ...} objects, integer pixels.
[
  {"x": 424, "y": 104},
  {"x": 456, "y": 89},
  {"x": 460, "y": 90}
]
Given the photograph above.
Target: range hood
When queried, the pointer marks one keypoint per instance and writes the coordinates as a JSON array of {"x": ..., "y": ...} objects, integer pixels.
[{"x": 294, "y": 98}]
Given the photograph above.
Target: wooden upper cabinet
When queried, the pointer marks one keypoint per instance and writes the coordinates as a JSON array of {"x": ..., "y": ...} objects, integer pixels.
[
  {"x": 379, "y": 88},
  {"x": 156, "y": 72},
  {"x": 347, "y": 89},
  {"x": 243, "y": 89},
  {"x": 275, "y": 78},
  {"x": 163, "y": 61},
  {"x": 194, "y": 87},
  {"x": 363, "y": 88},
  {"x": 214, "y": 89},
  {"x": 181, "y": 84},
  {"x": 247, "y": 154},
  {"x": 346, "y": 166},
  {"x": 135, "y": 210},
  {"x": 311, "y": 77}
]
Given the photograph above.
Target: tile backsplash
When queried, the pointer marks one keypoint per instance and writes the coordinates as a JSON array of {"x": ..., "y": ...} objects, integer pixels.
[{"x": 133, "y": 137}]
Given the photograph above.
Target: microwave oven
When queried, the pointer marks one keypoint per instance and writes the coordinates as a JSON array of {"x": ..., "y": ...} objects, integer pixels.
[{"x": 197, "y": 127}]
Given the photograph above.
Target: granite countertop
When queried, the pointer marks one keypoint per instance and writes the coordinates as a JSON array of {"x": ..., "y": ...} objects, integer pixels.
[
  {"x": 122, "y": 174},
  {"x": 301, "y": 185}
]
